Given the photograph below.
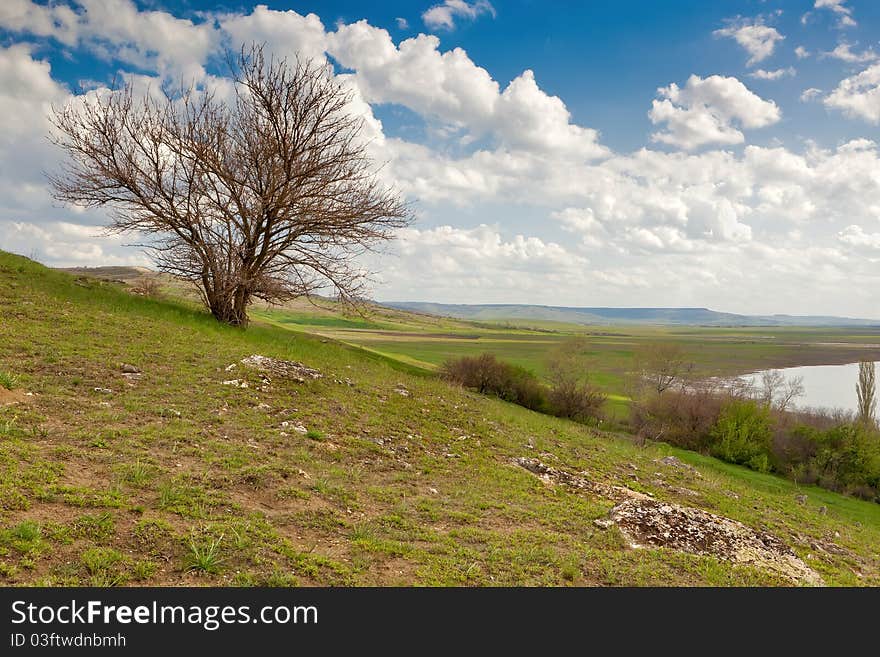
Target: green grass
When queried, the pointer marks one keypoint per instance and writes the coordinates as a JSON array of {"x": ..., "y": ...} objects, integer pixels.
[
  {"x": 204, "y": 555},
  {"x": 8, "y": 380},
  {"x": 112, "y": 488}
]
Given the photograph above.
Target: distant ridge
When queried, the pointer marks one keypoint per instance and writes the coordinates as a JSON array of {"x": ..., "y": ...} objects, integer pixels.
[{"x": 606, "y": 316}]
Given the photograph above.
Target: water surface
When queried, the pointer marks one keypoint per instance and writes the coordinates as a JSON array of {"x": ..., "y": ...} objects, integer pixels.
[{"x": 825, "y": 386}]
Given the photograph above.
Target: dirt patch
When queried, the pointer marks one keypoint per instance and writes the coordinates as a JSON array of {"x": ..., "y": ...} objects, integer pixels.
[
  {"x": 645, "y": 522},
  {"x": 287, "y": 369},
  {"x": 9, "y": 397}
]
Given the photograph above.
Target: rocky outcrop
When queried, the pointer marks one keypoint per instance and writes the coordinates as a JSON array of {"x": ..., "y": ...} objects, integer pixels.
[
  {"x": 287, "y": 369},
  {"x": 646, "y": 522},
  {"x": 650, "y": 523}
]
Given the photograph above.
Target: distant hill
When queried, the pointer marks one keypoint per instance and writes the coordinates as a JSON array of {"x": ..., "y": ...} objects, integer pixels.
[
  {"x": 125, "y": 274},
  {"x": 607, "y": 316}
]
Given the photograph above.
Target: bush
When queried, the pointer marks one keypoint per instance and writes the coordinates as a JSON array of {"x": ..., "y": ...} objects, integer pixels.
[
  {"x": 147, "y": 287},
  {"x": 488, "y": 375},
  {"x": 848, "y": 459},
  {"x": 743, "y": 434},
  {"x": 678, "y": 417},
  {"x": 580, "y": 402}
]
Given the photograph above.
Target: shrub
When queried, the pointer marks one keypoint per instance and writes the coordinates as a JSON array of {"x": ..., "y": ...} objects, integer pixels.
[
  {"x": 580, "y": 402},
  {"x": 148, "y": 287},
  {"x": 678, "y": 417},
  {"x": 743, "y": 434},
  {"x": 848, "y": 459},
  {"x": 488, "y": 375}
]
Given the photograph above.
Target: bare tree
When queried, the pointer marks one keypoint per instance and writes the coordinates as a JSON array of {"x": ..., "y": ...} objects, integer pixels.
[
  {"x": 662, "y": 365},
  {"x": 866, "y": 392},
  {"x": 572, "y": 395},
  {"x": 270, "y": 195},
  {"x": 778, "y": 391}
]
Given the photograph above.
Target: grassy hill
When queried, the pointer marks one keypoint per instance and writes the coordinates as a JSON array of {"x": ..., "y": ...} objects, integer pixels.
[{"x": 374, "y": 474}]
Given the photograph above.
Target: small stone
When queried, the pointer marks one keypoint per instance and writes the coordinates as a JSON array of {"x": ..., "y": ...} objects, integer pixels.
[
  {"x": 823, "y": 510},
  {"x": 128, "y": 368},
  {"x": 105, "y": 391},
  {"x": 433, "y": 491},
  {"x": 801, "y": 499},
  {"x": 603, "y": 523}
]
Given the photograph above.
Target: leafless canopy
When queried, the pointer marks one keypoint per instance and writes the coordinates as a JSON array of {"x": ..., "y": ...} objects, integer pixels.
[{"x": 270, "y": 195}]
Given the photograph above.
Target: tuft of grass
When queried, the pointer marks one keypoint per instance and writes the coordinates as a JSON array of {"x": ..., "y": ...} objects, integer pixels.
[
  {"x": 204, "y": 556},
  {"x": 314, "y": 434},
  {"x": 27, "y": 531},
  {"x": 144, "y": 569},
  {"x": 95, "y": 527},
  {"x": 104, "y": 566},
  {"x": 137, "y": 474},
  {"x": 8, "y": 380}
]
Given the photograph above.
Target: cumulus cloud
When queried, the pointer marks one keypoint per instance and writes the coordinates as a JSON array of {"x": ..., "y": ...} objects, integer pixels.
[
  {"x": 801, "y": 52},
  {"x": 844, "y": 52},
  {"x": 758, "y": 40},
  {"x": 450, "y": 88},
  {"x": 704, "y": 111},
  {"x": 838, "y": 7},
  {"x": 444, "y": 15},
  {"x": 761, "y": 74},
  {"x": 858, "y": 96},
  {"x": 653, "y": 227},
  {"x": 286, "y": 33},
  {"x": 810, "y": 94},
  {"x": 402, "y": 23},
  {"x": 462, "y": 265},
  {"x": 855, "y": 236},
  {"x": 118, "y": 30}
]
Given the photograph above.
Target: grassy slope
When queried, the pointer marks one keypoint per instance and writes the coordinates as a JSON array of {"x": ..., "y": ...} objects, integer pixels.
[{"x": 118, "y": 487}]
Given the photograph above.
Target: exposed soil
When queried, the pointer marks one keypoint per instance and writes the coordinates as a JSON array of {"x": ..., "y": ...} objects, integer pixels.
[{"x": 8, "y": 397}]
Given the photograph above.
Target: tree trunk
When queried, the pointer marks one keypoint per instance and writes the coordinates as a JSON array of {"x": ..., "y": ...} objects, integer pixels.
[{"x": 230, "y": 310}]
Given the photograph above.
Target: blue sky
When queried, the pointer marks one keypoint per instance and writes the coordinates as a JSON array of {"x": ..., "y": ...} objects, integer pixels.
[{"x": 577, "y": 153}]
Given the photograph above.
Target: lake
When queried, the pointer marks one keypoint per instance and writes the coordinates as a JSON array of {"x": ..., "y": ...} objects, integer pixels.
[{"x": 825, "y": 386}]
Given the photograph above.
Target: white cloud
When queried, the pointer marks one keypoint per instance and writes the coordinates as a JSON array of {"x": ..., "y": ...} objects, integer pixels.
[
  {"x": 464, "y": 265},
  {"x": 704, "y": 111},
  {"x": 450, "y": 88},
  {"x": 844, "y": 52},
  {"x": 443, "y": 16},
  {"x": 118, "y": 30},
  {"x": 761, "y": 74},
  {"x": 402, "y": 23},
  {"x": 801, "y": 52},
  {"x": 519, "y": 203},
  {"x": 855, "y": 236},
  {"x": 858, "y": 96},
  {"x": 286, "y": 33},
  {"x": 839, "y": 7},
  {"x": 810, "y": 94},
  {"x": 758, "y": 39}
]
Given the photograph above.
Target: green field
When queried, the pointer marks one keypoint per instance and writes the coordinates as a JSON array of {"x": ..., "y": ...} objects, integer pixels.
[
  {"x": 608, "y": 352},
  {"x": 172, "y": 477}
]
